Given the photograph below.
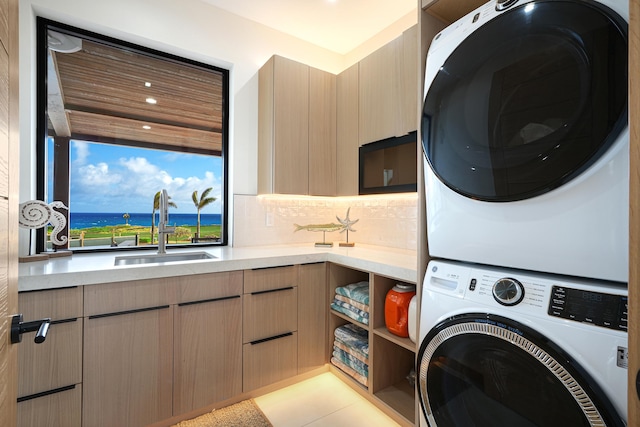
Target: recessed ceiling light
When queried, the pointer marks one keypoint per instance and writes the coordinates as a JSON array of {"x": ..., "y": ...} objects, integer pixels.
[
  {"x": 152, "y": 101},
  {"x": 147, "y": 84},
  {"x": 147, "y": 127}
]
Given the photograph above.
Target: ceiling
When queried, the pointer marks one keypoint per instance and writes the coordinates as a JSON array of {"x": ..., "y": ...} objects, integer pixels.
[
  {"x": 99, "y": 93},
  {"x": 337, "y": 25}
]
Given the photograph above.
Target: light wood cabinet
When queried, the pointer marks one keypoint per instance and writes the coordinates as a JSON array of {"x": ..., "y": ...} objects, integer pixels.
[
  {"x": 268, "y": 361},
  {"x": 128, "y": 353},
  {"x": 296, "y": 129},
  {"x": 391, "y": 358},
  {"x": 9, "y": 200},
  {"x": 388, "y": 90},
  {"x": 347, "y": 108},
  {"x": 62, "y": 408},
  {"x": 207, "y": 340},
  {"x": 283, "y": 127},
  {"x": 312, "y": 317},
  {"x": 322, "y": 133},
  {"x": 50, "y": 373},
  {"x": 270, "y": 324}
]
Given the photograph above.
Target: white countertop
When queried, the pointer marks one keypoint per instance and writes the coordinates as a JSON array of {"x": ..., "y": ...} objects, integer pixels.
[{"x": 94, "y": 268}]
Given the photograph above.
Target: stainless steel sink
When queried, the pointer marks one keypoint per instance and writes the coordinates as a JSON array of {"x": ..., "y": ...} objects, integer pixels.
[{"x": 161, "y": 258}]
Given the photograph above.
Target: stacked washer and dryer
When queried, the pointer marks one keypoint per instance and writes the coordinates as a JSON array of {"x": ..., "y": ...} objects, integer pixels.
[{"x": 525, "y": 133}]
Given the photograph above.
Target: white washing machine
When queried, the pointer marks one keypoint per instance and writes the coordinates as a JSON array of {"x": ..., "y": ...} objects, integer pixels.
[
  {"x": 505, "y": 348},
  {"x": 526, "y": 140}
]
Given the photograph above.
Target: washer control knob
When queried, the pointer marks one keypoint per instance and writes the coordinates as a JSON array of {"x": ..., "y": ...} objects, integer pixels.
[
  {"x": 508, "y": 291},
  {"x": 504, "y": 4}
]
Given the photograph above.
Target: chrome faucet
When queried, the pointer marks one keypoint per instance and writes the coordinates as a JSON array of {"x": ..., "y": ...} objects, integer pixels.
[{"x": 163, "y": 228}]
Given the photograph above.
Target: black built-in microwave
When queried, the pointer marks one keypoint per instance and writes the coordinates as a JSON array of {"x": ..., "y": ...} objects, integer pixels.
[{"x": 389, "y": 165}]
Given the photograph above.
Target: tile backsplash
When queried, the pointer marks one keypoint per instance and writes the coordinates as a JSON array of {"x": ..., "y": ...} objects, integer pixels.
[{"x": 384, "y": 220}]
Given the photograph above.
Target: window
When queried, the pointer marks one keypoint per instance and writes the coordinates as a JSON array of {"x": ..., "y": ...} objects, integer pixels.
[{"x": 117, "y": 123}]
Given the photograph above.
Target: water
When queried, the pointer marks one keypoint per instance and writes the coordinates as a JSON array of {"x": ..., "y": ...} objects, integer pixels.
[{"x": 80, "y": 220}]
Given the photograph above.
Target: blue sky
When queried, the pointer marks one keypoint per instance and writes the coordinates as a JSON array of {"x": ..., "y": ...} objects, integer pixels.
[{"x": 112, "y": 178}]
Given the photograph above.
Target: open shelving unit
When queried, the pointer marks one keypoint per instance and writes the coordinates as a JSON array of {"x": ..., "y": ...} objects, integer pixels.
[{"x": 391, "y": 358}]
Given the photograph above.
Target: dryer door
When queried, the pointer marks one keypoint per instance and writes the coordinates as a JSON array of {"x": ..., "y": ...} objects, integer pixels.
[
  {"x": 528, "y": 101},
  {"x": 484, "y": 370}
]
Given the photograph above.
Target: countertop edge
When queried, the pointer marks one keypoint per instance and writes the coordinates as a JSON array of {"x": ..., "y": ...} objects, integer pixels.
[{"x": 98, "y": 268}]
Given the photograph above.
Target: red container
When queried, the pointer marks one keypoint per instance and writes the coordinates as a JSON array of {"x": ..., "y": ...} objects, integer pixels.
[{"x": 396, "y": 309}]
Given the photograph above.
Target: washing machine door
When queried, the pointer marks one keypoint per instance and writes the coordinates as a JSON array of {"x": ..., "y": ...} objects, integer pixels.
[
  {"x": 528, "y": 101},
  {"x": 482, "y": 370}
]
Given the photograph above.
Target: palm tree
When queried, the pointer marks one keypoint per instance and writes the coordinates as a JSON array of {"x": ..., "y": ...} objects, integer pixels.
[
  {"x": 126, "y": 218},
  {"x": 200, "y": 204},
  {"x": 156, "y": 206}
]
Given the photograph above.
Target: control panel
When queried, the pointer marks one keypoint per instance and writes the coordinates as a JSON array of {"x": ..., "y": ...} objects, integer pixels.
[{"x": 597, "y": 308}]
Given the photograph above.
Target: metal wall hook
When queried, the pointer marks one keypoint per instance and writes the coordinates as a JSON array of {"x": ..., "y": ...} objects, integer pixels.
[{"x": 18, "y": 327}]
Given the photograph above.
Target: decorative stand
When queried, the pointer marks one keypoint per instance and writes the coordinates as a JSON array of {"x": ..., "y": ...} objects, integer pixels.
[
  {"x": 324, "y": 243},
  {"x": 347, "y": 243}
]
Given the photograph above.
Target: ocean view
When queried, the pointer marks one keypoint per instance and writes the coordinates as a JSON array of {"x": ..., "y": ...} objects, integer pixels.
[{"x": 79, "y": 220}]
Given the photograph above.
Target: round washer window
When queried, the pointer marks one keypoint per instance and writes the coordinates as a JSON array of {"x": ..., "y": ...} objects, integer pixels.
[
  {"x": 528, "y": 101},
  {"x": 484, "y": 370}
]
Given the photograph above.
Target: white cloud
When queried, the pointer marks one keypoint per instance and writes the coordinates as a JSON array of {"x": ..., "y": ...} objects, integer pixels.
[
  {"x": 82, "y": 152},
  {"x": 139, "y": 165},
  {"x": 97, "y": 176}
]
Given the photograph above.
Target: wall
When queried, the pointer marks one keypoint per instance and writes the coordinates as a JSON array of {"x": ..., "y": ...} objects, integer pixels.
[
  {"x": 383, "y": 220},
  {"x": 188, "y": 28}
]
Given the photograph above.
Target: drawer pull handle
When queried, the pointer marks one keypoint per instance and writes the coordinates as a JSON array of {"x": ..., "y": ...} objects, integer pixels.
[
  {"x": 120, "y": 313},
  {"x": 269, "y": 268},
  {"x": 288, "y": 334},
  {"x": 46, "y": 393},
  {"x": 182, "y": 304},
  {"x": 18, "y": 327},
  {"x": 288, "y": 288}
]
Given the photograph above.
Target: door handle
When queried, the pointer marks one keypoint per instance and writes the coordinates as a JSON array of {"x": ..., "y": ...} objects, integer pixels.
[{"x": 18, "y": 327}]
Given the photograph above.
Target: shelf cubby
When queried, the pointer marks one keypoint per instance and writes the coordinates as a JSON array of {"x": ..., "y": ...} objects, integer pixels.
[{"x": 391, "y": 358}]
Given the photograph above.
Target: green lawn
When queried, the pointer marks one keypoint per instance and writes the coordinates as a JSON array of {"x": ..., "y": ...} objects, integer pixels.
[{"x": 183, "y": 233}]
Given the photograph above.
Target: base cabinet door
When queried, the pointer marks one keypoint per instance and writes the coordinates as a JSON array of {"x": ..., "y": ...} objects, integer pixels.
[
  {"x": 312, "y": 319},
  {"x": 208, "y": 353},
  {"x": 128, "y": 363}
]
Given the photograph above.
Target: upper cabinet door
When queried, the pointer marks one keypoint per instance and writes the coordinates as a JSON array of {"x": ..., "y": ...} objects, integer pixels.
[
  {"x": 347, "y": 131},
  {"x": 378, "y": 73},
  {"x": 322, "y": 133},
  {"x": 283, "y": 127},
  {"x": 389, "y": 89}
]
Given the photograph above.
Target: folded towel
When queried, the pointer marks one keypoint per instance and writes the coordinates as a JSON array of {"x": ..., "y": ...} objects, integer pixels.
[
  {"x": 349, "y": 371},
  {"x": 356, "y": 291},
  {"x": 352, "y": 351},
  {"x": 351, "y": 311},
  {"x": 353, "y": 336},
  {"x": 356, "y": 304},
  {"x": 350, "y": 361}
]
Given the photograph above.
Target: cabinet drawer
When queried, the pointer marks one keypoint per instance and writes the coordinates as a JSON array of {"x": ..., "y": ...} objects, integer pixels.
[
  {"x": 204, "y": 287},
  {"x": 124, "y": 296},
  {"x": 55, "y": 363},
  {"x": 62, "y": 408},
  {"x": 270, "y": 361},
  {"x": 57, "y": 304},
  {"x": 268, "y": 314},
  {"x": 264, "y": 279}
]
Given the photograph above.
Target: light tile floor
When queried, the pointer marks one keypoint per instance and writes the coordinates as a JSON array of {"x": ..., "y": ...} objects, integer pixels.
[{"x": 322, "y": 401}]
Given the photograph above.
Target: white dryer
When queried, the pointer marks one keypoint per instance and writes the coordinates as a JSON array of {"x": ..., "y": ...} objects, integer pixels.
[
  {"x": 505, "y": 348},
  {"x": 526, "y": 141}
]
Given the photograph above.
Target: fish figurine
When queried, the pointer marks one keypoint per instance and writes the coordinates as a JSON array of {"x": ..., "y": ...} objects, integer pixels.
[{"x": 332, "y": 226}]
